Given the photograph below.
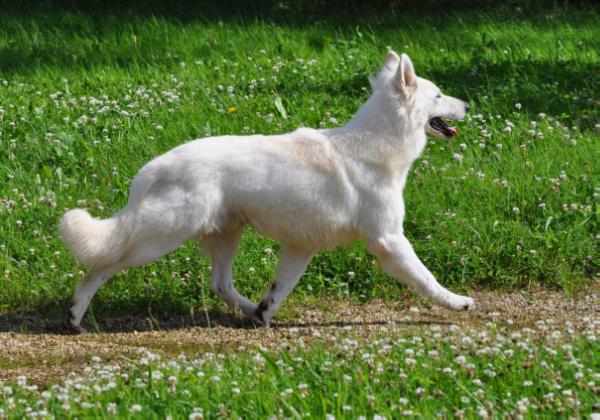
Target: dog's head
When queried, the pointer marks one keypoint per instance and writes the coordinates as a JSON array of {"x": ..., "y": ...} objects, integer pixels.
[{"x": 422, "y": 99}]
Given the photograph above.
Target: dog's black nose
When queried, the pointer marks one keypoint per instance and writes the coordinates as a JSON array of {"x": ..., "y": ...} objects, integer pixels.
[{"x": 467, "y": 107}]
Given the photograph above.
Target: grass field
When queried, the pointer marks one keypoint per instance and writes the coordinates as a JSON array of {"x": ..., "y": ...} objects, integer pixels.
[
  {"x": 488, "y": 372},
  {"x": 88, "y": 96}
]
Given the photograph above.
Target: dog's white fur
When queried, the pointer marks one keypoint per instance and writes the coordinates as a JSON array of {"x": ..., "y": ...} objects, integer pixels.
[{"x": 309, "y": 189}]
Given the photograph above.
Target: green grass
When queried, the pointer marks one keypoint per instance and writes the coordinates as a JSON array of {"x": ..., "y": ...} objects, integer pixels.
[
  {"x": 453, "y": 372},
  {"x": 88, "y": 97}
]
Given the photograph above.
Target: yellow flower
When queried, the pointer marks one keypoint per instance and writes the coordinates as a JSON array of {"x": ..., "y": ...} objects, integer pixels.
[{"x": 231, "y": 109}]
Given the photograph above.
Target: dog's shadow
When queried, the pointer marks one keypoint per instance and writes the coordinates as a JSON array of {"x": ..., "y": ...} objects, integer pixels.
[{"x": 33, "y": 323}]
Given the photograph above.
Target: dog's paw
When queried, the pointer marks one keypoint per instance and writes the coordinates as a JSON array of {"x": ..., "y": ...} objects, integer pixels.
[
  {"x": 468, "y": 305},
  {"x": 72, "y": 329},
  {"x": 260, "y": 316},
  {"x": 461, "y": 303}
]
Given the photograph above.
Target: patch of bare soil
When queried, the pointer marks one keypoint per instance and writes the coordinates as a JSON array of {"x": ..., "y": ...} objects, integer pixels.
[{"x": 45, "y": 354}]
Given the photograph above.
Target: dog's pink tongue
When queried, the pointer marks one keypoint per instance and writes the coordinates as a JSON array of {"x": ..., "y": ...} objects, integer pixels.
[{"x": 453, "y": 131}]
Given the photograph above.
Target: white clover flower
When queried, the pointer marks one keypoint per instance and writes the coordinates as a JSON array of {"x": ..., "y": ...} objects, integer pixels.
[
  {"x": 135, "y": 408},
  {"x": 516, "y": 210},
  {"x": 518, "y": 106},
  {"x": 458, "y": 157},
  {"x": 523, "y": 405},
  {"x": 448, "y": 371},
  {"x": 197, "y": 414}
]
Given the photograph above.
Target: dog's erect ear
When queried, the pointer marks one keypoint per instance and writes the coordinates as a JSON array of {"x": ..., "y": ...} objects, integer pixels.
[
  {"x": 388, "y": 71},
  {"x": 391, "y": 61},
  {"x": 406, "y": 77}
]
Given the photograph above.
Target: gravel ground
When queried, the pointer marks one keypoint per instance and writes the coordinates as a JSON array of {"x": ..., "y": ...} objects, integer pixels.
[{"x": 45, "y": 354}]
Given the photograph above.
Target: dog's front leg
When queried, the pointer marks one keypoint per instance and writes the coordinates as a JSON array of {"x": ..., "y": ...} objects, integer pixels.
[
  {"x": 291, "y": 267},
  {"x": 397, "y": 258}
]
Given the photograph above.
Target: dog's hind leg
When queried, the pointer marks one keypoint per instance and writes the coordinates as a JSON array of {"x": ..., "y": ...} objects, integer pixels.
[
  {"x": 222, "y": 247},
  {"x": 397, "y": 258},
  {"x": 139, "y": 252},
  {"x": 86, "y": 290},
  {"x": 292, "y": 265}
]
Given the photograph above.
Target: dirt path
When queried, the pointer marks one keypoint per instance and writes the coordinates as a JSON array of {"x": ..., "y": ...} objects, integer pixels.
[{"x": 44, "y": 356}]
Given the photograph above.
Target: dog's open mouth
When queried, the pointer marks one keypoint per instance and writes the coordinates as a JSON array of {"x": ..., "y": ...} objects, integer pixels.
[{"x": 440, "y": 126}]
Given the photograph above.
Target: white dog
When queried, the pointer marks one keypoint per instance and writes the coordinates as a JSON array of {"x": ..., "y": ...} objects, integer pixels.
[{"x": 309, "y": 189}]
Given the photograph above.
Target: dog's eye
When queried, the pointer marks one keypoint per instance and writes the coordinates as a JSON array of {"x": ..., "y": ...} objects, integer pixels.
[{"x": 438, "y": 96}]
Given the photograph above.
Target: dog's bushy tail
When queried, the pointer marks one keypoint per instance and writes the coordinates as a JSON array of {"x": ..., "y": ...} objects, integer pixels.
[{"x": 92, "y": 241}]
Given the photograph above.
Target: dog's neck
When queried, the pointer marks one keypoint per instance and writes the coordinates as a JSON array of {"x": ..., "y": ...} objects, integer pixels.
[{"x": 382, "y": 132}]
